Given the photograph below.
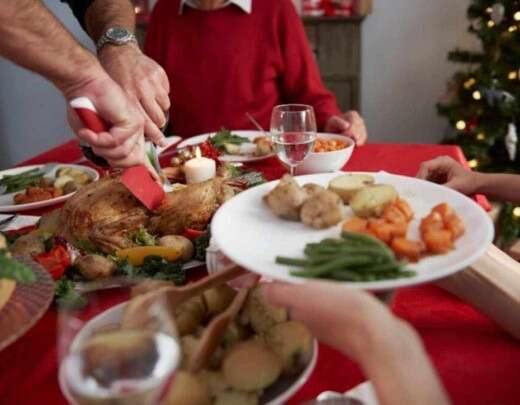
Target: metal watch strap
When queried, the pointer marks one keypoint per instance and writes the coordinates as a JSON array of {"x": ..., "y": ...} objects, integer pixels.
[{"x": 106, "y": 40}]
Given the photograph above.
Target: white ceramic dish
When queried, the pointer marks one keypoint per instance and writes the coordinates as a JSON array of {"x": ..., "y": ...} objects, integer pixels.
[
  {"x": 249, "y": 234},
  {"x": 6, "y": 200},
  {"x": 277, "y": 394},
  {"x": 324, "y": 162},
  {"x": 195, "y": 140}
]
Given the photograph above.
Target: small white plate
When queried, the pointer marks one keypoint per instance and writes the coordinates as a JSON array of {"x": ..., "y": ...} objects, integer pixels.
[
  {"x": 6, "y": 200},
  {"x": 249, "y": 234},
  {"x": 251, "y": 135}
]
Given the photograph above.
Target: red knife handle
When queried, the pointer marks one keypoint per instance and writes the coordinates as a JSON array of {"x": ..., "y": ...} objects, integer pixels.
[{"x": 88, "y": 115}]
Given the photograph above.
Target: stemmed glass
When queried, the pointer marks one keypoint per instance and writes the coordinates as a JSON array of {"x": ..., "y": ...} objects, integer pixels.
[
  {"x": 293, "y": 130},
  {"x": 105, "y": 360}
]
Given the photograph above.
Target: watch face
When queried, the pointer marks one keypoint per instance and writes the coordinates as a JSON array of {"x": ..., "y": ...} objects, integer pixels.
[{"x": 118, "y": 34}]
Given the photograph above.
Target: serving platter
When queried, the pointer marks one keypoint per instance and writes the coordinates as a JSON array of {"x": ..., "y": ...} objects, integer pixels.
[
  {"x": 27, "y": 304},
  {"x": 249, "y": 234},
  {"x": 23, "y": 221},
  {"x": 198, "y": 139},
  {"x": 277, "y": 394},
  {"x": 7, "y": 200}
]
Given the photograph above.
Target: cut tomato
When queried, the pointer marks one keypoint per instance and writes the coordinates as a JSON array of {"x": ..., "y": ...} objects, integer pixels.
[
  {"x": 55, "y": 261},
  {"x": 192, "y": 234}
]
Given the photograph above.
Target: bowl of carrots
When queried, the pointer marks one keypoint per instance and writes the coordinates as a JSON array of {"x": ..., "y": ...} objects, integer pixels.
[{"x": 330, "y": 153}]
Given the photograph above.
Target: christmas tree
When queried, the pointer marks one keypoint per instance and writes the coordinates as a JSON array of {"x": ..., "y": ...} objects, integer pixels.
[{"x": 482, "y": 103}]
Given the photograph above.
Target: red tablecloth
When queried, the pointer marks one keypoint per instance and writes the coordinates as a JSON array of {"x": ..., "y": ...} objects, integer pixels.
[{"x": 477, "y": 361}]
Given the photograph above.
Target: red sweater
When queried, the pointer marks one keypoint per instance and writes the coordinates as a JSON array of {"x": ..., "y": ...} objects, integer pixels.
[{"x": 224, "y": 63}]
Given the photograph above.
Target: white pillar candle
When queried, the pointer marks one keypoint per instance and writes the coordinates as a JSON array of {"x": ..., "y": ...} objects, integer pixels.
[{"x": 199, "y": 168}]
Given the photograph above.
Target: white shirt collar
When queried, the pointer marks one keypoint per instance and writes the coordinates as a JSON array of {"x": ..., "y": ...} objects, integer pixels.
[{"x": 244, "y": 5}]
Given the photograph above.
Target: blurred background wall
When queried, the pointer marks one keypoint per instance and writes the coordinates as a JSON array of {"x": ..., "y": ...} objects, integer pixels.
[{"x": 404, "y": 70}]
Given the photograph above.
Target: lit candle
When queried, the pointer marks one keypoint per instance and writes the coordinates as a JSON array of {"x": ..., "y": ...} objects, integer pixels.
[{"x": 199, "y": 168}]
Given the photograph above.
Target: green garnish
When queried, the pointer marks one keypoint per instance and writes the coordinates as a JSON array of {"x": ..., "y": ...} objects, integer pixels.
[
  {"x": 144, "y": 238},
  {"x": 201, "y": 244},
  {"x": 11, "y": 269},
  {"x": 154, "y": 267},
  {"x": 66, "y": 296},
  {"x": 224, "y": 136}
]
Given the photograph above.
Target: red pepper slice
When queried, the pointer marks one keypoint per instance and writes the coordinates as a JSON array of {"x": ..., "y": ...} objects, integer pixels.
[
  {"x": 55, "y": 261},
  {"x": 193, "y": 234}
]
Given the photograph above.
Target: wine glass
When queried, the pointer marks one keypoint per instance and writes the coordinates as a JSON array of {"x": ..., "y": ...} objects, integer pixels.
[
  {"x": 106, "y": 358},
  {"x": 293, "y": 130}
]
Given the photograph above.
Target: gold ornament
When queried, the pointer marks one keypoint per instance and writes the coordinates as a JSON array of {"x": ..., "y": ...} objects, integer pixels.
[
  {"x": 469, "y": 83},
  {"x": 460, "y": 125}
]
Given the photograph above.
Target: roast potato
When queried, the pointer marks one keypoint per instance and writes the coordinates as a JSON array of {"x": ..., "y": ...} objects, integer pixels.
[
  {"x": 28, "y": 245},
  {"x": 184, "y": 245},
  {"x": 347, "y": 185},
  {"x": 189, "y": 315},
  {"x": 49, "y": 224},
  {"x": 322, "y": 210},
  {"x": 261, "y": 315},
  {"x": 286, "y": 199},
  {"x": 187, "y": 389},
  {"x": 251, "y": 366},
  {"x": 372, "y": 200},
  {"x": 292, "y": 343},
  {"x": 214, "y": 381},
  {"x": 217, "y": 299},
  {"x": 94, "y": 266},
  {"x": 312, "y": 189},
  {"x": 233, "y": 397}
]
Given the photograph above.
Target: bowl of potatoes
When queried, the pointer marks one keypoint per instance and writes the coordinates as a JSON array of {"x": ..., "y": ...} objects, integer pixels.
[
  {"x": 263, "y": 358},
  {"x": 330, "y": 153}
]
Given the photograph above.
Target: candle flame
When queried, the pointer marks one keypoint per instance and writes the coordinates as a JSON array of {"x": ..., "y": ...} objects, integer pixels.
[{"x": 198, "y": 153}]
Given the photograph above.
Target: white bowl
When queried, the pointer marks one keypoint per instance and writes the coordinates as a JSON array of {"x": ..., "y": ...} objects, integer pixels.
[{"x": 324, "y": 162}]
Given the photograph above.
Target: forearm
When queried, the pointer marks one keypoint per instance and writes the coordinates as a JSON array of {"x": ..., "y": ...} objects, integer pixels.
[
  {"x": 103, "y": 14},
  {"x": 32, "y": 37},
  {"x": 400, "y": 370},
  {"x": 500, "y": 186}
]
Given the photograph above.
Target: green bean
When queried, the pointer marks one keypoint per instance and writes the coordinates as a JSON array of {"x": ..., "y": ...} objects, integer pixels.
[
  {"x": 337, "y": 264},
  {"x": 291, "y": 262}
]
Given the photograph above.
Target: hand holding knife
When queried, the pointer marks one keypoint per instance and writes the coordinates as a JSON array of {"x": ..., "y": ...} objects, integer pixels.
[{"x": 142, "y": 180}]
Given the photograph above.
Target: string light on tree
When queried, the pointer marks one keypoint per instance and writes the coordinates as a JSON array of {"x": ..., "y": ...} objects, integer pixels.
[
  {"x": 512, "y": 75},
  {"x": 512, "y": 28},
  {"x": 481, "y": 136},
  {"x": 460, "y": 125},
  {"x": 490, "y": 23},
  {"x": 468, "y": 84},
  {"x": 516, "y": 212},
  {"x": 516, "y": 16},
  {"x": 473, "y": 163},
  {"x": 477, "y": 95}
]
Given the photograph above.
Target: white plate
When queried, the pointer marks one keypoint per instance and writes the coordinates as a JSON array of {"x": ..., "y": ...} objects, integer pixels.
[
  {"x": 6, "y": 200},
  {"x": 198, "y": 139},
  {"x": 277, "y": 394},
  {"x": 248, "y": 233}
]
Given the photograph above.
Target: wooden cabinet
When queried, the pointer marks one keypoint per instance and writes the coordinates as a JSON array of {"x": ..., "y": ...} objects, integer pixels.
[{"x": 336, "y": 43}]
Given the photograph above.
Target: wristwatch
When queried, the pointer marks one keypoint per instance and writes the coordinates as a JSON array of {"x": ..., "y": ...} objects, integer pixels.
[{"x": 116, "y": 36}]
